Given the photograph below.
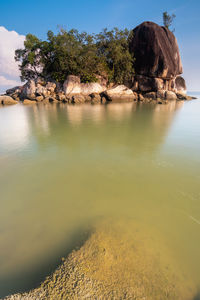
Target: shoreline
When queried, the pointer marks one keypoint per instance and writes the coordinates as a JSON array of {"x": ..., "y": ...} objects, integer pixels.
[{"x": 75, "y": 92}]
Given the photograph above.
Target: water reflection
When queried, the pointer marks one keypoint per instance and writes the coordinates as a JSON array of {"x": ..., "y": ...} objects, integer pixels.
[
  {"x": 14, "y": 128},
  {"x": 20, "y": 124},
  {"x": 55, "y": 125}
]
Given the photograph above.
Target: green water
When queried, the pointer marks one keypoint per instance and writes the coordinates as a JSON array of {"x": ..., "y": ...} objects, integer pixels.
[{"x": 62, "y": 167}]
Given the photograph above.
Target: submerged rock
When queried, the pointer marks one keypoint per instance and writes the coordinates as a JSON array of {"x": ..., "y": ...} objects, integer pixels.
[{"x": 121, "y": 260}]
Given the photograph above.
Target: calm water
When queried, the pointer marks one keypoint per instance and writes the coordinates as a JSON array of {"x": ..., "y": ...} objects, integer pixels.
[{"x": 63, "y": 167}]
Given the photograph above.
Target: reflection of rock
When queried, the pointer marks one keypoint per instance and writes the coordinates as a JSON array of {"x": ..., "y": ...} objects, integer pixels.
[
  {"x": 119, "y": 112},
  {"x": 78, "y": 114},
  {"x": 123, "y": 260},
  {"x": 15, "y": 132}
]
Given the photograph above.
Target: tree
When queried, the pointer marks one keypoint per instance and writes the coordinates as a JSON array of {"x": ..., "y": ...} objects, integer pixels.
[
  {"x": 168, "y": 19},
  {"x": 74, "y": 53},
  {"x": 30, "y": 58},
  {"x": 113, "y": 48}
]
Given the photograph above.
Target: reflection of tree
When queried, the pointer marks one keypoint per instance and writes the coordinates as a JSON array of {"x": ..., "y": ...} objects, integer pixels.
[{"x": 139, "y": 127}]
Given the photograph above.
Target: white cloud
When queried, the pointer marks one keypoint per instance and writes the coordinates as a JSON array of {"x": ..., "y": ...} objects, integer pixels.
[
  {"x": 8, "y": 82},
  {"x": 9, "y": 72}
]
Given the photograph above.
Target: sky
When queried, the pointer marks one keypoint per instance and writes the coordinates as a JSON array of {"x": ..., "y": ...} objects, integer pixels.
[{"x": 37, "y": 17}]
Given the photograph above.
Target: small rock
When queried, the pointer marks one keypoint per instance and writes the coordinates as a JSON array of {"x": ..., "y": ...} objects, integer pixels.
[
  {"x": 27, "y": 102},
  {"x": 141, "y": 97},
  {"x": 88, "y": 98},
  {"x": 160, "y": 102},
  {"x": 52, "y": 99},
  {"x": 51, "y": 86},
  {"x": 7, "y": 100},
  {"x": 169, "y": 95},
  {"x": 103, "y": 100},
  {"x": 150, "y": 95},
  {"x": 161, "y": 94},
  {"x": 39, "y": 98},
  {"x": 95, "y": 98},
  {"x": 78, "y": 99},
  {"x": 46, "y": 100},
  {"x": 61, "y": 96}
]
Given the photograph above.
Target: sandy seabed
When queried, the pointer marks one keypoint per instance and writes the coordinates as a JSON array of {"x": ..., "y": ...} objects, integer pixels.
[{"x": 120, "y": 260}]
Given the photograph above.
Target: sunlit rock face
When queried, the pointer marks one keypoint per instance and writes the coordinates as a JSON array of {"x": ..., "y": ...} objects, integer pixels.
[
  {"x": 73, "y": 86},
  {"x": 157, "y": 57}
]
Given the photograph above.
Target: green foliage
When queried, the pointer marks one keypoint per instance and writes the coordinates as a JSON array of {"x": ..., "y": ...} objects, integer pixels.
[
  {"x": 113, "y": 48},
  {"x": 29, "y": 57},
  {"x": 81, "y": 54},
  {"x": 168, "y": 19}
]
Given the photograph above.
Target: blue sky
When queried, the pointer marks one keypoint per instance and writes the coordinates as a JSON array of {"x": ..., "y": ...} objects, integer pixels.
[{"x": 37, "y": 17}]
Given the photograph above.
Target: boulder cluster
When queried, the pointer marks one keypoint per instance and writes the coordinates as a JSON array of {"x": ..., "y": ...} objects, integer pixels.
[
  {"x": 73, "y": 91},
  {"x": 157, "y": 76}
]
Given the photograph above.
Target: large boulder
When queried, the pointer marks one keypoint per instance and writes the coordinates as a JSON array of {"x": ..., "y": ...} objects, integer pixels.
[
  {"x": 119, "y": 93},
  {"x": 147, "y": 84},
  {"x": 180, "y": 85},
  {"x": 16, "y": 89},
  {"x": 73, "y": 86},
  {"x": 156, "y": 51},
  {"x": 29, "y": 90},
  {"x": 169, "y": 95}
]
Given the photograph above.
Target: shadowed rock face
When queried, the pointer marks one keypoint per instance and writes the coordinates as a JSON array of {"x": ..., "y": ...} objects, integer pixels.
[
  {"x": 156, "y": 51},
  {"x": 180, "y": 84}
]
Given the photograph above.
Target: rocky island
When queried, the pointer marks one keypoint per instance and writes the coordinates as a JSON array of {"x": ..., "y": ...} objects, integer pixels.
[{"x": 156, "y": 76}]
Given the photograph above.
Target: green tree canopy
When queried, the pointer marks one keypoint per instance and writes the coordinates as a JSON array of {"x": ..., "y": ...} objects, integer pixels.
[
  {"x": 81, "y": 54},
  {"x": 113, "y": 48}
]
